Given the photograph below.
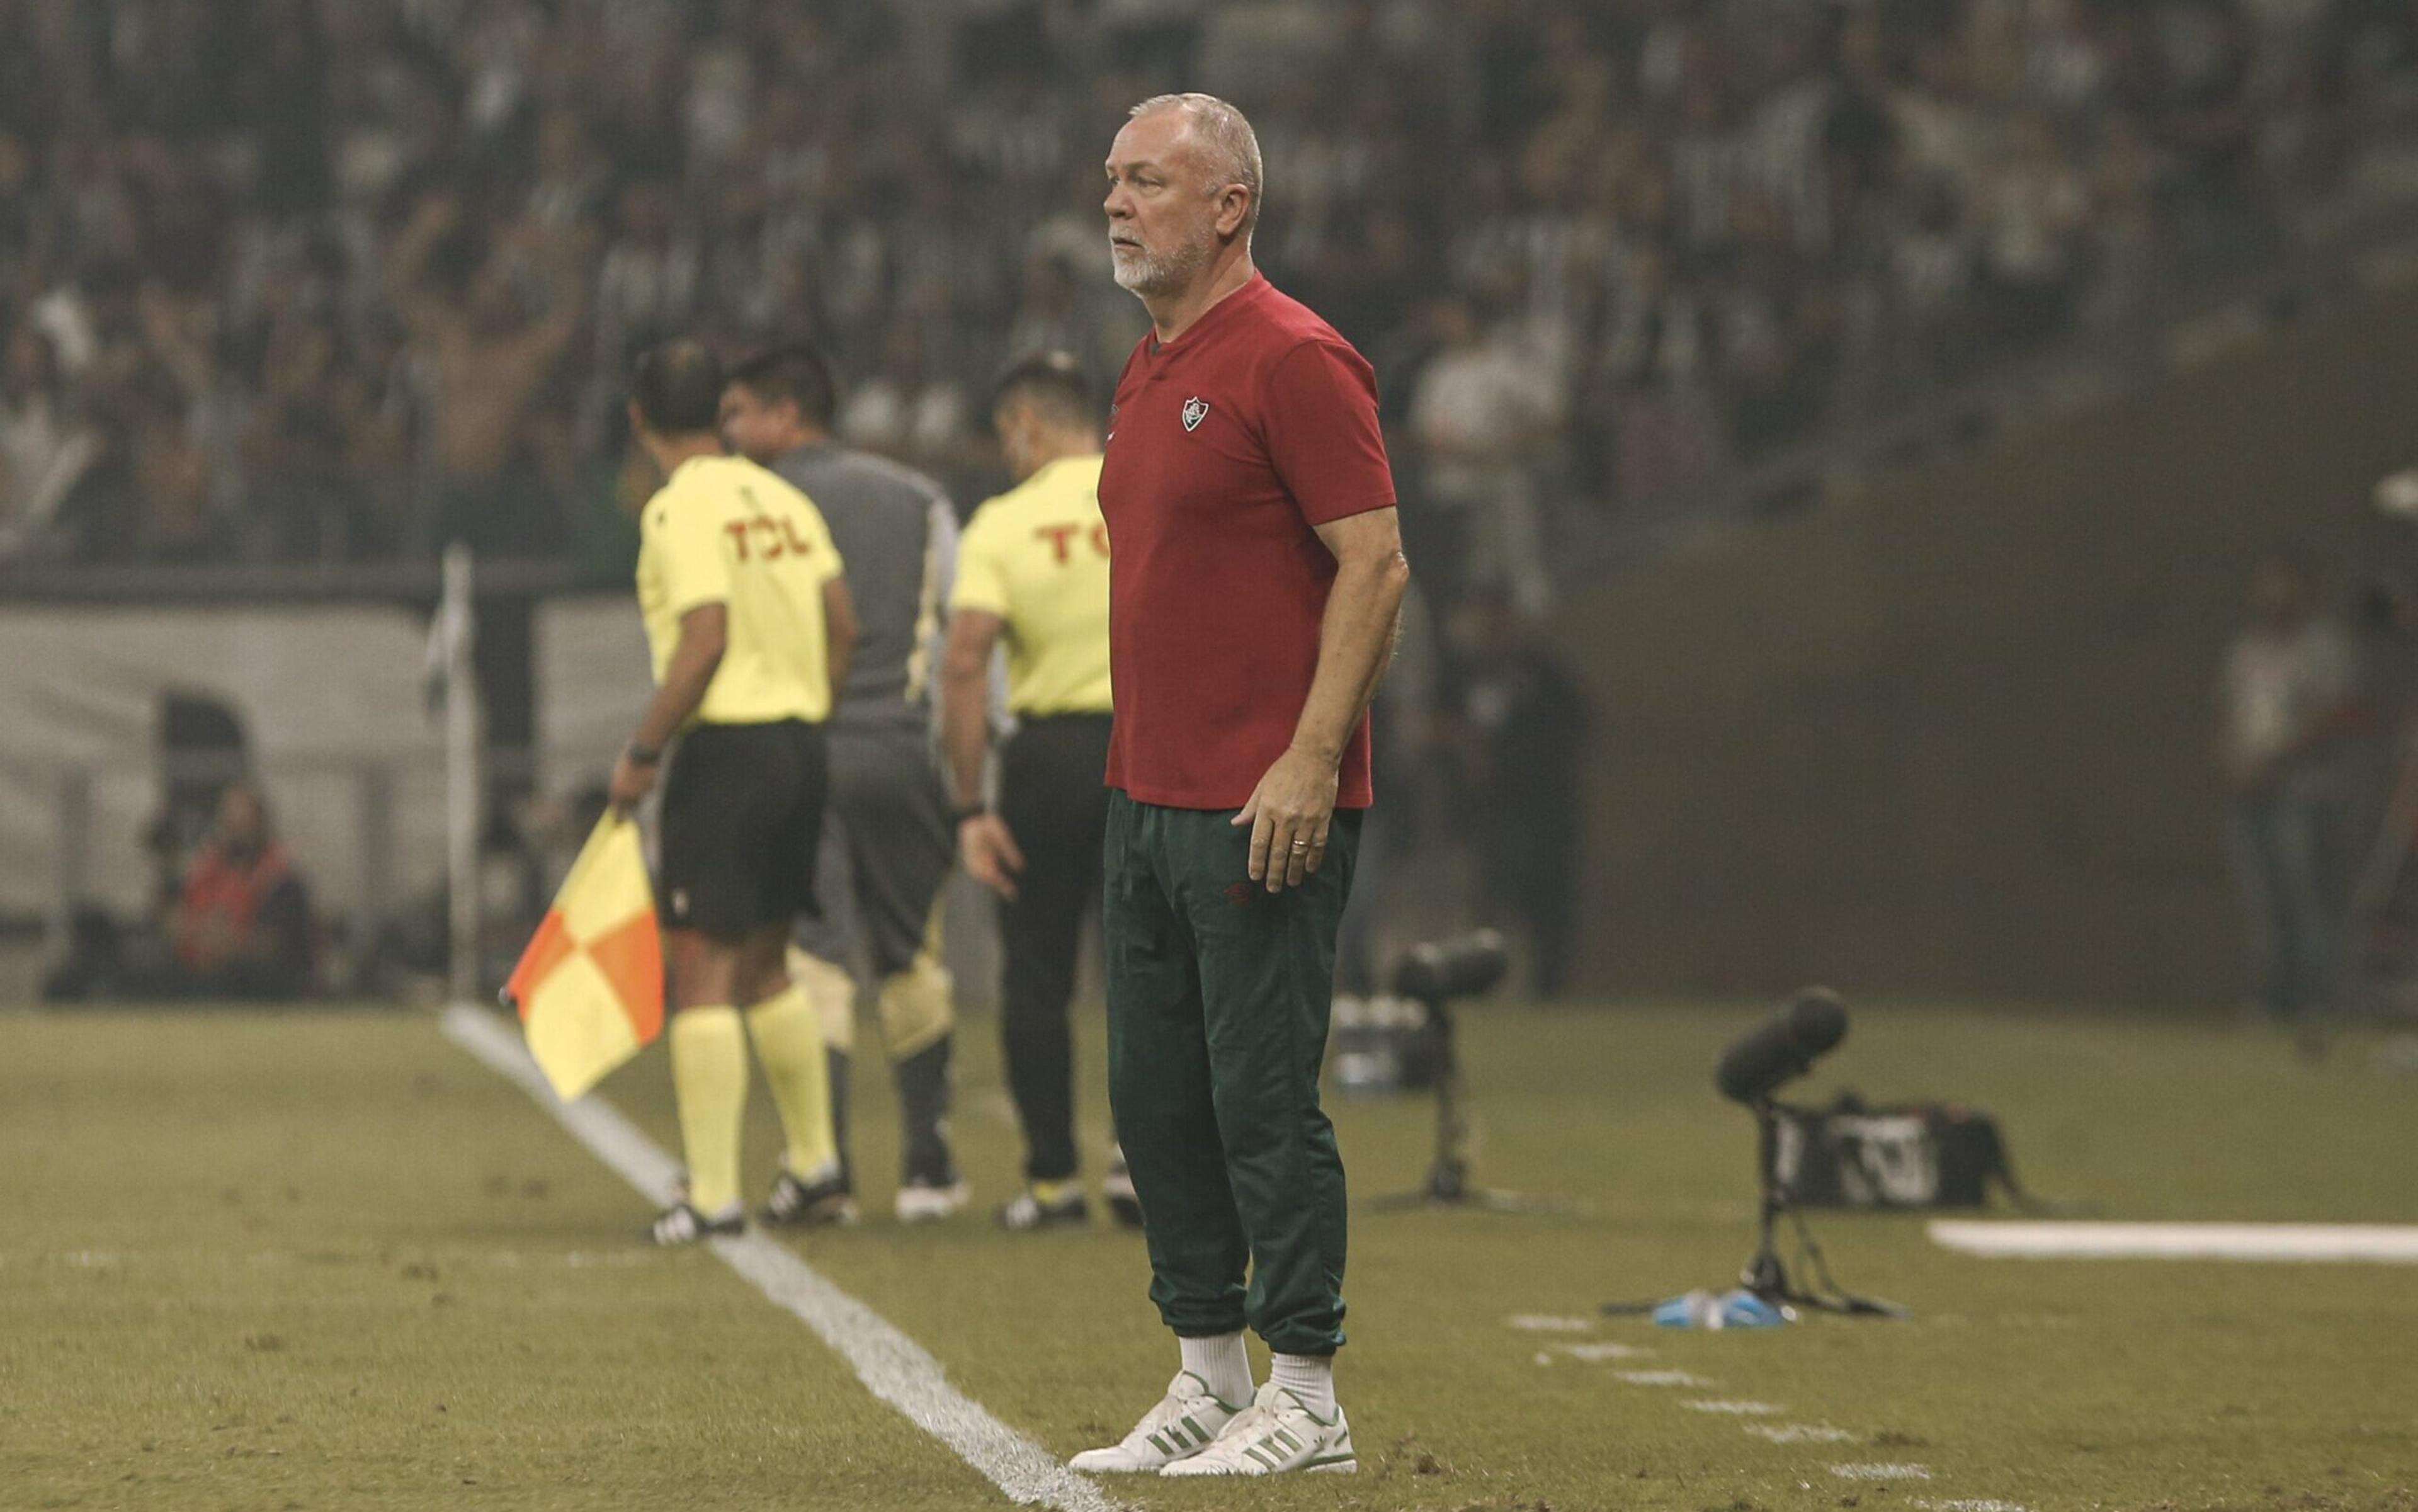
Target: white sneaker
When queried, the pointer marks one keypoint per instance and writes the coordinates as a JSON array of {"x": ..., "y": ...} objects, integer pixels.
[
  {"x": 1186, "y": 1422},
  {"x": 1275, "y": 1433},
  {"x": 919, "y": 1203}
]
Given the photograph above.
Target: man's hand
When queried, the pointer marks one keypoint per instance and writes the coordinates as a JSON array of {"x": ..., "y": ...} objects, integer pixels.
[
  {"x": 1289, "y": 814},
  {"x": 991, "y": 856},
  {"x": 632, "y": 782}
]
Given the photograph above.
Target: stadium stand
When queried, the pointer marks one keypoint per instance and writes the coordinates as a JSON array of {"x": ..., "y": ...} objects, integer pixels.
[{"x": 291, "y": 281}]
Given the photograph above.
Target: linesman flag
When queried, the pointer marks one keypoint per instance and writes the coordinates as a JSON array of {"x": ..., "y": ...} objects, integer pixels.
[{"x": 590, "y": 985}]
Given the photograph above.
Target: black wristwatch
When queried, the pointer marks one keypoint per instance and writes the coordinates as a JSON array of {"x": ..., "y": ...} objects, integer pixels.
[
  {"x": 642, "y": 755},
  {"x": 971, "y": 810}
]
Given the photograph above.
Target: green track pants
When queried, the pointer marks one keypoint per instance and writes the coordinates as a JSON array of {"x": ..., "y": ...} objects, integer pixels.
[{"x": 1219, "y": 995}]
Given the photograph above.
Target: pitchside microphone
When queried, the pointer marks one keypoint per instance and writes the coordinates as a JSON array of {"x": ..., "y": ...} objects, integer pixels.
[
  {"x": 1457, "y": 968},
  {"x": 1783, "y": 1047}
]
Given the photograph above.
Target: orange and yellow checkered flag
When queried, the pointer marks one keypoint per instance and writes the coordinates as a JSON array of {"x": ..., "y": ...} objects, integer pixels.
[{"x": 590, "y": 985}]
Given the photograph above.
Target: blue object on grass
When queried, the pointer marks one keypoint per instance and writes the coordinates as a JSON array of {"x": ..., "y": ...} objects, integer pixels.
[{"x": 1729, "y": 1309}]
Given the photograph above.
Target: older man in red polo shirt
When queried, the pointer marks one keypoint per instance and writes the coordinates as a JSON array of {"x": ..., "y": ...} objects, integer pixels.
[{"x": 1256, "y": 580}]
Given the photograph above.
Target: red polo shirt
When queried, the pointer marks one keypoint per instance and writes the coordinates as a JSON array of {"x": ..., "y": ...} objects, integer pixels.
[{"x": 1226, "y": 446}]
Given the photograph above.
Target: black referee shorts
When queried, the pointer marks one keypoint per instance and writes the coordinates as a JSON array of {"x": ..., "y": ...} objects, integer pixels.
[{"x": 741, "y": 815}]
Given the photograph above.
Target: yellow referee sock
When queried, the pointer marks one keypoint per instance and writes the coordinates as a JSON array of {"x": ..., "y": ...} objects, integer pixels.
[
  {"x": 709, "y": 1083},
  {"x": 788, "y": 1033}
]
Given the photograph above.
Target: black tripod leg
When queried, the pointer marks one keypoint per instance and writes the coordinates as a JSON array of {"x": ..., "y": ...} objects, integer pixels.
[{"x": 1835, "y": 1298}]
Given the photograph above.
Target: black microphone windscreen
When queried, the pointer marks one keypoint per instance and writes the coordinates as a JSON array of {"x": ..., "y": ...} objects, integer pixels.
[
  {"x": 1782, "y": 1047},
  {"x": 1457, "y": 968},
  {"x": 1821, "y": 1020}
]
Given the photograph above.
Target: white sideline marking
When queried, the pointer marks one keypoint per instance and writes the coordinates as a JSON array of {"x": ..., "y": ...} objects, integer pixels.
[
  {"x": 1597, "y": 1353},
  {"x": 1979, "y": 1504},
  {"x": 1736, "y": 1409},
  {"x": 1801, "y": 1433},
  {"x": 2304, "y": 1243},
  {"x": 1662, "y": 1377},
  {"x": 893, "y": 1367},
  {"x": 1538, "y": 1323},
  {"x": 1881, "y": 1472}
]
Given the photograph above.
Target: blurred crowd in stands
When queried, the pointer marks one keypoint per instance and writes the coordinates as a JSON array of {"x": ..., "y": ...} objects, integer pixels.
[{"x": 309, "y": 281}]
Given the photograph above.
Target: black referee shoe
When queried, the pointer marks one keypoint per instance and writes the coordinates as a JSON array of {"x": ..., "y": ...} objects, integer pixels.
[
  {"x": 825, "y": 1202},
  {"x": 681, "y": 1224},
  {"x": 1028, "y": 1211}
]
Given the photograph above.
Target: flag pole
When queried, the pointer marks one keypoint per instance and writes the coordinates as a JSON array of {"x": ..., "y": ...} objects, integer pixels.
[{"x": 456, "y": 625}]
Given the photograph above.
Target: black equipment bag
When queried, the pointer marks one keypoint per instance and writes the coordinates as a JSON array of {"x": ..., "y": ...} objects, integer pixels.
[{"x": 1912, "y": 1155}]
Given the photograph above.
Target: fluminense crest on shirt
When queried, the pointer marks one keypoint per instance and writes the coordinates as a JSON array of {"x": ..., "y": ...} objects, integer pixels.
[{"x": 1195, "y": 411}]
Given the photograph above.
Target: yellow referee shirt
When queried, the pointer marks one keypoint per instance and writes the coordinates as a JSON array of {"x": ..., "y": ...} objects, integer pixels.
[
  {"x": 1038, "y": 556},
  {"x": 724, "y": 530}
]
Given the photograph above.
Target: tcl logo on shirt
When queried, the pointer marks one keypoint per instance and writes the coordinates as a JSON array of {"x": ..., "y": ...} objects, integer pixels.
[
  {"x": 1061, "y": 538},
  {"x": 767, "y": 538},
  {"x": 760, "y": 537}
]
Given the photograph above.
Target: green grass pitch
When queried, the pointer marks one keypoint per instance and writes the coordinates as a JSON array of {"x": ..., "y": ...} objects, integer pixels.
[{"x": 328, "y": 1261}]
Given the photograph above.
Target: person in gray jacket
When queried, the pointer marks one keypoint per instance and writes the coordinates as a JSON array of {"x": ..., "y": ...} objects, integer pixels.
[{"x": 888, "y": 840}]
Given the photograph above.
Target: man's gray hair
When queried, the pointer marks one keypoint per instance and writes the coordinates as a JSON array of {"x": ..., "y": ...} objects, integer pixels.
[{"x": 1232, "y": 147}]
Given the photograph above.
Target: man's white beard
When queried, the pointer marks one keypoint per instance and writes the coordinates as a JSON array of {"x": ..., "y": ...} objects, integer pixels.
[{"x": 1141, "y": 273}]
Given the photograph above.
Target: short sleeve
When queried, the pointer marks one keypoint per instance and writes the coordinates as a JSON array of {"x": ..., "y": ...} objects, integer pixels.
[
  {"x": 1320, "y": 422},
  {"x": 686, "y": 539},
  {"x": 941, "y": 537},
  {"x": 982, "y": 576}
]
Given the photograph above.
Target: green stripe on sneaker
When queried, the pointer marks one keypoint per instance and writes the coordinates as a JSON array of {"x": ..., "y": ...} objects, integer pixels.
[
  {"x": 1160, "y": 1444},
  {"x": 1195, "y": 1427}
]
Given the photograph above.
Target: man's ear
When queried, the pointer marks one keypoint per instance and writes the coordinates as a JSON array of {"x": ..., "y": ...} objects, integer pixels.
[{"x": 1233, "y": 205}]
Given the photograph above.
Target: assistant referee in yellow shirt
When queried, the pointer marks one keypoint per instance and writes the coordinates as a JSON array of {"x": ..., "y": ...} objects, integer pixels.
[
  {"x": 750, "y": 626},
  {"x": 1032, "y": 572}
]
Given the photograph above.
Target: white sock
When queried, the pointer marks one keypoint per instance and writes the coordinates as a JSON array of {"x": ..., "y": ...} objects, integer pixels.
[
  {"x": 1310, "y": 1377},
  {"x": 1219, "y": 1360}
]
